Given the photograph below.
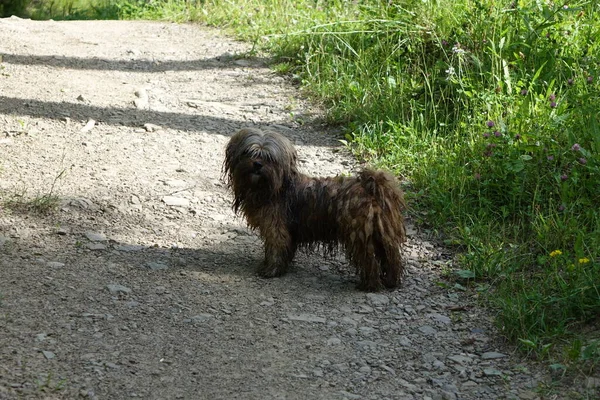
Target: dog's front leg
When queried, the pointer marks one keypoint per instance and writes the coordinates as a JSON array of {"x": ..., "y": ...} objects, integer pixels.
[{"x": 279, "y": 251}]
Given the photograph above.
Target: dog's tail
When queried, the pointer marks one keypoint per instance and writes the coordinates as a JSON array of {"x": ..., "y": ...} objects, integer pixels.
[{"x": 389, "y": 231}]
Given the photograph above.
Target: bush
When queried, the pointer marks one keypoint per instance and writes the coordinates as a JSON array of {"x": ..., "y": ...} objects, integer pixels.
[{"x": 13, "y": 7}]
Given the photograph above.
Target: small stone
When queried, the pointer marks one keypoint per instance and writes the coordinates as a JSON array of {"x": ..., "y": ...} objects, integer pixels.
[
  {"x": 40, "y": 337},
  {"x": 318, "y": 372},
  {"x": 152, "y": 127},
  {"x": 62, "y": 231},
  {"x": 242, "y": 63},
  {"x": 366, "y": 370},
  {"x": 440, "y": 318},
  {"x": 364, "y": 309},
  {"x": 528, "y": 395},
  {"x": 142, "y": 101},
  {"x": 492, "y": 372},
  {"x": 156, "y": 266},
  {"x": 366, "y": 330},
  {"x": 333, "y": 341},
  {"x": 306, "y": 318},
  {"x": 116, "y": 289},
  {"x": 366, "y": 344},
  {"x": 129, "y": 247},
  {"x": 95, "y": 246},
  {"x": 468, "y": 385},
  {"x": 388, "y": 369},
  {"x": 199, "y": 318},
  {"x": 55, "y": 264},
  {"x": 95, "y": 237},
  {"x": 448, "y": 395},
  {"x": 491, "y": 355},
  {"x": 349, "y": 321},
  {"x": 427, "y": 330},
  {"x": 48, "y": 354},
  {"x": 378, "y": 299},
  {"x": 460, "y": 359},
  {"x": 89, "y": 126},
  {"x": 350, "y": 396},
  {"x": 173, "y": 201}
]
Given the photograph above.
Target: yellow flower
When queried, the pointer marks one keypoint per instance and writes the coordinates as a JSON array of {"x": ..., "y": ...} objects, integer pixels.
[
  {"x": 555, "y": 253},
  {"x": 584, "y": 260}
]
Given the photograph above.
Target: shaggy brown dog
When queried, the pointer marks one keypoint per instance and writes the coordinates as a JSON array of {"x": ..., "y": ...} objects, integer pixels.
[{"x": 291, "y": 210}]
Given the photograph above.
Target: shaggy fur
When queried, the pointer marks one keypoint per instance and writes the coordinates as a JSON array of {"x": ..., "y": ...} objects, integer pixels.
[{"x": 362, "y": 214}]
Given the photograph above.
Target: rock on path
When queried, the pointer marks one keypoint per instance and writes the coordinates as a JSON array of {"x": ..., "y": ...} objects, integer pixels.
[{"x": 142, "y": 284}]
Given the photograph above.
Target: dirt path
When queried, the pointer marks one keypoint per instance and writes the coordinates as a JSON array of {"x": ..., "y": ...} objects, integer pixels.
[{"x": 142, "y": 283}]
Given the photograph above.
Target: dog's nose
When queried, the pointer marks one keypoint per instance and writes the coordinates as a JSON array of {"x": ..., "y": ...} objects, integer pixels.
[{"x": 257, "y": 165}]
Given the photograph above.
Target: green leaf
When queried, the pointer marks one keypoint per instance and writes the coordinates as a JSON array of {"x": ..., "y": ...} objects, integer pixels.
[{"x": 465, "y": 274}]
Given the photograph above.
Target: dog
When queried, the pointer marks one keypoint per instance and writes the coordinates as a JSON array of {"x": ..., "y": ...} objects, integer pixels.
[{"x": 361, "y": 214}]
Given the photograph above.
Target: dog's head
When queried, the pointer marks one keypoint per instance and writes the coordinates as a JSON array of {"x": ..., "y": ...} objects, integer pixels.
[{"x": 259, "y": 163}]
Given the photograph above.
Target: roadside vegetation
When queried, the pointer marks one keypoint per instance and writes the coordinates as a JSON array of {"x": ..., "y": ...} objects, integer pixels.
[{"x": 491, "y": 110}]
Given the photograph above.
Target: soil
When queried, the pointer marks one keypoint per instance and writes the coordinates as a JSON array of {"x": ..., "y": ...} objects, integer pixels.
[{"x": 125, "y": 274}]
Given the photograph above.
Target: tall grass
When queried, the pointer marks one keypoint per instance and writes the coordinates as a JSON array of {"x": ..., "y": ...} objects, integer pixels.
[{"x": 491, "y": 109}]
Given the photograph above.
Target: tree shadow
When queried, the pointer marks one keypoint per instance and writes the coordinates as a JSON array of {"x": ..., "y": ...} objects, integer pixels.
[{"x": 137, "y": 65}]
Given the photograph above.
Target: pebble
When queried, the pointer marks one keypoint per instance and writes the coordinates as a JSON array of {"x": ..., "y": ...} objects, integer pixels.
[
  {"x": 528, "y": 395},
  {"x": 142, "y": 99},
  {"x": 349, "y": 321},
  {"x": 492, "y": 355},
  {"x": 96, "y": 237},
  {"x": 95, "y": 246},
  {"x": 492, "y": 372},
  {"x": 460, "y": 359},
  {"x": 364, "y": 309},
  {"x": 40, "y": 337},
  {"x": 128, "y": 247},
  {"x": 334, "y": 341},
  {"x": 89, "y": 126},
  {"x": 377, "y": 299},
  {"x": 427, "y": 330},
  {"x": 156, "y": 265},
  {"x": 55, "y": 264},
  {"x": 152, "y": 127},
  {"x": 173, "y": 201},
  {"x": 366, "y": 330},
  {"x": 366, "y": 344},
  {"x": 440, "y": 318},
  {"x": 48, "y": 354},
  {"x": 366, "y": 370},
  {"x": 350, "y": 396},
  {"x": 199, "y": 318},
  {"x": 116, "y": 289},
  {"x": 306, "y": 318}
]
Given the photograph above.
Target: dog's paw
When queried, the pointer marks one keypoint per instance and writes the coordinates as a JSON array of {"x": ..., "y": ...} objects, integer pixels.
[{"x": 270, "y": 271}]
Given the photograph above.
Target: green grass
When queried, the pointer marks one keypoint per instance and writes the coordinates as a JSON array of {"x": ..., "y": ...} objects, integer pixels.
[{"x": 490, "y": 109}]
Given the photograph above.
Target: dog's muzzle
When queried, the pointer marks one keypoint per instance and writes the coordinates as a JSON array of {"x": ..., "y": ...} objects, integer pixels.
[{"x": 256, "y": 172}]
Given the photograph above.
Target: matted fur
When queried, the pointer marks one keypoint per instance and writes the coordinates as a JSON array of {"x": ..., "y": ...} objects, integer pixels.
[{"x": 362, "y": 214}]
